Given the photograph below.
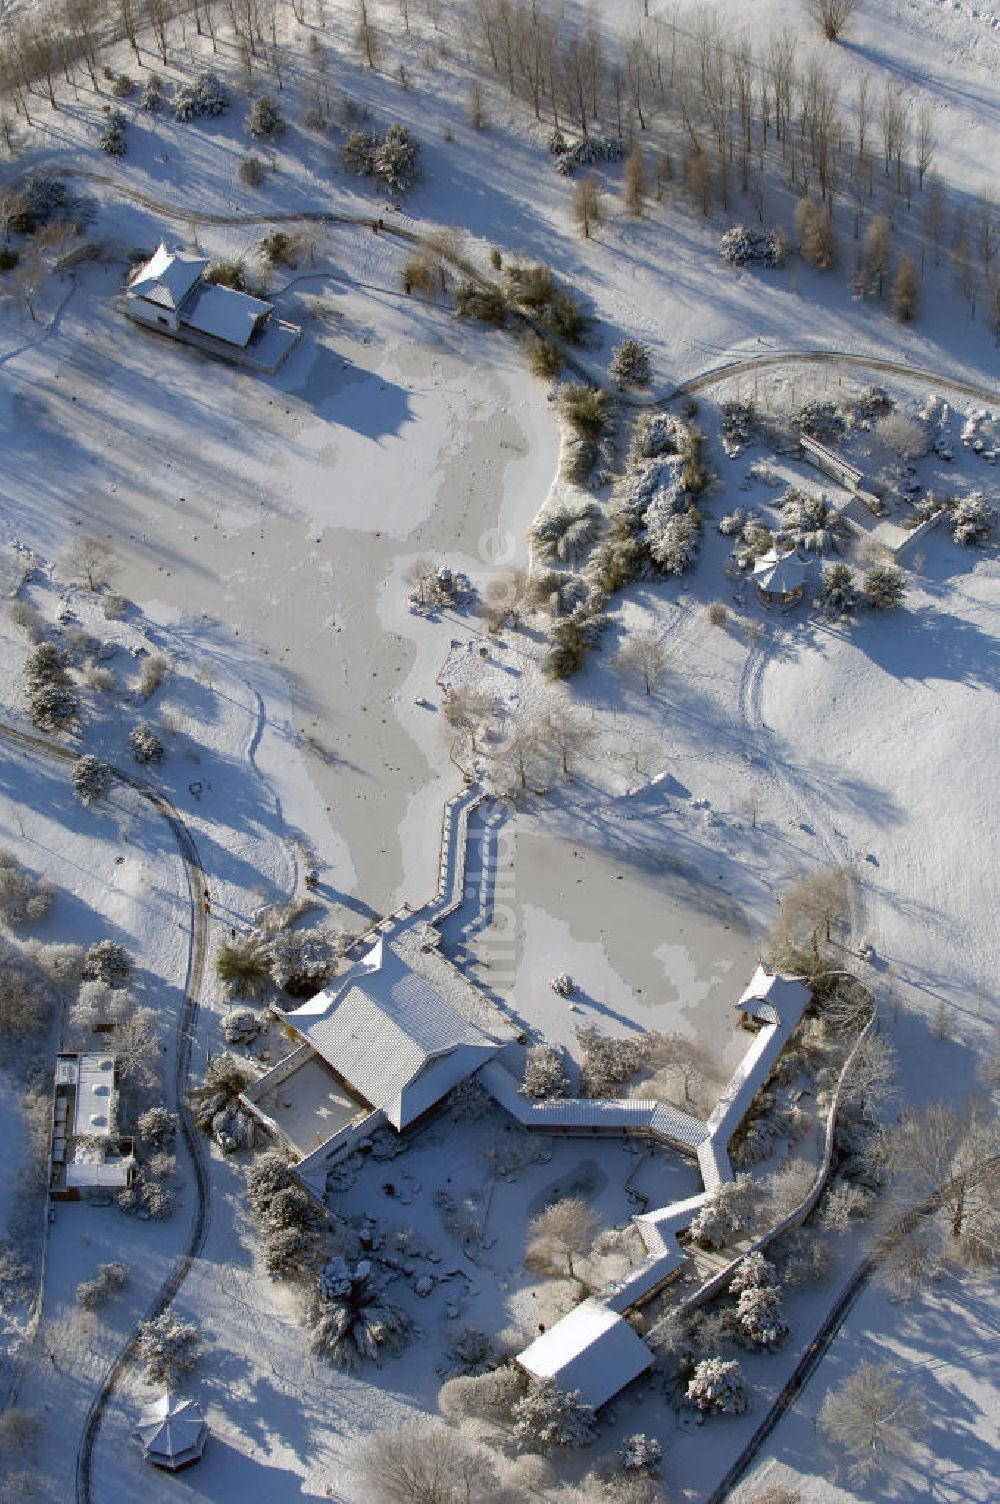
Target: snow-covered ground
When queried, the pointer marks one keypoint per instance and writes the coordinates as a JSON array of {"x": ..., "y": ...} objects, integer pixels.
[{"x": 265, "y": 527}]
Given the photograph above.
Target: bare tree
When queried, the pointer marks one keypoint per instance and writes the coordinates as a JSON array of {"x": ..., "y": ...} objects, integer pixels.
[
  {"x": 832, "y": 15},
  {"x": 467, "y": 712},
  {"x": 93, "y": 561},
  {"x": 505, "y": 599},
  {"x": 564, "y": 1230},
  {"x": 571, "y": 734},
  {"x": 933, "y": 219},
  {"x": 699, "y": 181},
  {"x": 905, "y": 287},
  {"x": 427, "y": 1463},
  {"x": 872, "y": 1416},
  {"x": 878, "y": 251},
  {"x": 644, "y": 656},
  {"x": 587, "y": 204},
  {"x": 365, "y": 34},
  {"x": 636, "y": 188},
  {"x": 926, "y": 140},
  {"x": 947, "y": 1157},
  {"x": 894, "y": 116},
  {"x": 812, "y": 907}
]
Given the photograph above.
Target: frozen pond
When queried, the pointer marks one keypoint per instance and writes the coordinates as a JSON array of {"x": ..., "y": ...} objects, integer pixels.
[{"x": 646, "y": 948}]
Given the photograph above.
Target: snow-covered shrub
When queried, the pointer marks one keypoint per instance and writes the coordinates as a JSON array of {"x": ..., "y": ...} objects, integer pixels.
[
  {"x": 471, "y": 1353},
  {"x": 269, "y": 1174},
  {"x": 214, "y": 1102},
  {"x": 728, "y": 1213},
  {"x": 759, "y": 1321},
  {"x": 607, "y": 1063},
  {"x": 52, "y": 700},
  {"x": 144, "y": 744},
  {"x": 673, "y": 539},
  {"x": 752, "y": 1273},
  {"x": 546, "y": 1417},
  {"x": 905, "y": 437},
  {"x": 300, "y": 962},
  {"x": 843, "y": 1204},
  {"x": 873, "y": 403},
  {"x": 392, "y": 158},
  {"x": 488, "y": 1396},
  {"x": 837, "y": 594},
  {"x": 152, "y": 94},
  {"x": 157, "y": 1127},
  {"x": 93, "y": 1293},
  {"x": 113, "y": 135},
  {"x": 52, "y": 706},
  {"x": 640, "y": 1454},
  {"x": 243, "y": 966},
  {"x": 241, "y": 1026},
  {"x": 971, "y": 518},
  {"x": 108, "y": 962},
  {"x": 35, "y": 203},
  {"x": 741, "y": 245},
  {"x": 630, "y": 364},
  {"x": 737, "y": 424},
  {"x": 350, "y": 1317},
  {"x": 289, "y": 1251},
  {"x": 397, "y": 162},
  {"x": 809, "y": 522},
  {"x": 253, "y": 171},
  {"x": 265, "y": 118},
  {"x": 656, "y": 434},
  {"x": 169, "y": 1348},
  {"x": 883, "y": 587},
  {"x": 586, "y": 152},
  {"x": 23, "y": 898},
  {"x": 90, "y": 778},
  {"x": 205, "y": 96},
  {"x": 564, "y": 530},
  {"x": 486, "y": 304},
  {"x": 733, "y": 523},
  {"x": 557, "y": 142},
  {"x": 803, "y": 1258},
  {"x": 716, "y": 1388},
  {"x": 562, "y": 985},
  {"x": 821, "y": 420},
  {"x": 544, "y": 1073}
]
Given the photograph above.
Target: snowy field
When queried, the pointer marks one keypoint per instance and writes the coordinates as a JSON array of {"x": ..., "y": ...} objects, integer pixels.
[{"x": 265, "y": 527}]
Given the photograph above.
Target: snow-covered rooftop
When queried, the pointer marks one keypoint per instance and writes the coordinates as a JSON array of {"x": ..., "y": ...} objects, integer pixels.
[
  {"x": 172, "y": 1431},
  {"x": 780, "y": 573},
  {"x": 167, "y": 277},
  {"x": 593, "y": 1349},
  {"x": 224, "y": 313},
  {"x": 92, "y": 1077},
  {"x": 384, "y": 1024}
]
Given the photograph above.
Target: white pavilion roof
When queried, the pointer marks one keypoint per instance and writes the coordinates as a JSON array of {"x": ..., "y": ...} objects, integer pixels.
[
  {"x": 780, "y": 573},
  {"x": 172, "y": 1431},
  {"x": 593, "y": 1349}
]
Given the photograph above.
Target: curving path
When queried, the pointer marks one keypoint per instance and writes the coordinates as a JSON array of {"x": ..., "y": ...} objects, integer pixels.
[
  {"x": 821, "y": 1343},
  {"x": 194, "y": 1143}
]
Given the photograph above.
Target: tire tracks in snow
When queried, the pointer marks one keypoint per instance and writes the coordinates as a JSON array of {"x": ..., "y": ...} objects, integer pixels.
[
  {"x": 801, "y": 805},
  {"x": 193, "y": 981}
]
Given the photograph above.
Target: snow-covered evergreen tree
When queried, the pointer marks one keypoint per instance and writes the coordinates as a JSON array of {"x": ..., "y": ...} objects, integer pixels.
[
  {"x": 350, "y": 1318},
  {"x": 640, "y": 1454},
  {"x": 972, "y": 519},
  {"x": 727, "y": 1214},
  {"x": 717, "y": 1388},
  {"x": 109, "y": 962},
  {"x": 90, "y": 778},
  {"x": 546, "y": 1417},
  {"x": 544, "y": 1073},
  {"x": 169, "y": 1348}
]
